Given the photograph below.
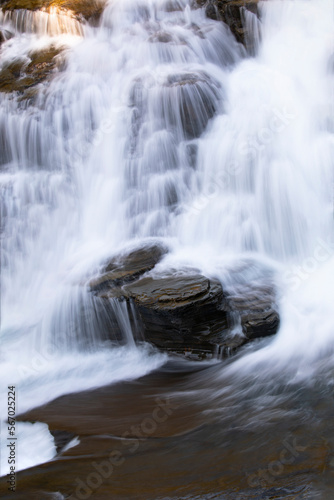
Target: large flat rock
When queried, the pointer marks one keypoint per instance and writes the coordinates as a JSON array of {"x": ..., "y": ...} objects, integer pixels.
[{"x": 128, "y": 266}]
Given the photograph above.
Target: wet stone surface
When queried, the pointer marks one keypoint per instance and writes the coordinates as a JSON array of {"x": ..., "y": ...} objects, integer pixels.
[
  {"x": 22, "y": 74},
  {"x": 231, "y": 444},
  {"x": 182, "y": 311}
]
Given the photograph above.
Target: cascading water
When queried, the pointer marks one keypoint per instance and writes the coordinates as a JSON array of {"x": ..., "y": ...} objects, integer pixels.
[{"x": 161, "y": 125}]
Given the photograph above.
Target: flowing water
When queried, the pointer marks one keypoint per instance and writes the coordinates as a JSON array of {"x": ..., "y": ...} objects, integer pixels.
[{"x": 162, "y": 126}]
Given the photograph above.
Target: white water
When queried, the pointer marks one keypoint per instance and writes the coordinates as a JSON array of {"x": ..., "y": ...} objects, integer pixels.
[{"x": 103, "y": 159}]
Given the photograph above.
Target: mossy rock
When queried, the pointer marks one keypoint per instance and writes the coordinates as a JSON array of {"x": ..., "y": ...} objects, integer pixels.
[
  {"x": 86, "y": 9},
  {"x": 24, "y": 73}
]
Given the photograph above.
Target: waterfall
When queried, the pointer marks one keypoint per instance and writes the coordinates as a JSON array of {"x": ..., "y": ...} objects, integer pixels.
[{"x": 161, "y": 125}]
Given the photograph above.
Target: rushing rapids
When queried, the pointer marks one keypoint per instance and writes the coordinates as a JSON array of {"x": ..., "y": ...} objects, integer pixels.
[{"x": 161, "y": 126}]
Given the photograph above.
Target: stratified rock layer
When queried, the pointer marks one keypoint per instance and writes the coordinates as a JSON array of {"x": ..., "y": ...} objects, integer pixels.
[{"x": 182, "y": 310}]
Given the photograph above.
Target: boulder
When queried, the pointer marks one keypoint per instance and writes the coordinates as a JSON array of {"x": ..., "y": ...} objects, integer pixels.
[
  {"x": 183, "y": 311},
  {"x": 255, "y": 306},
  {"x": 127, "y": 267},
  {"x": 190, "y": 100}
]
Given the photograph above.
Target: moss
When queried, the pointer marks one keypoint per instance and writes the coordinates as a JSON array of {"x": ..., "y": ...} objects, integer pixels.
[
  {"x": 81, "y": 8},
  {"x": 9, "y": 75},
  {"x": 22, "y": 74}
]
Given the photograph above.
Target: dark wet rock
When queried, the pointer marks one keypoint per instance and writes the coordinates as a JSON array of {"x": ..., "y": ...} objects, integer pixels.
[
  {"x": 211, "y": 12},
  {"x": 198, "y": 99},
  {"x": 199, "y": 426},
  {"x": 129, "y": 266},
  {"x": 231, "y": 12},
  {"x": 23, "y": 73},
  {"x": 81, "y": 9},
  {"x": 183, "y": 311},
  {"x": 257, "y": 310}
]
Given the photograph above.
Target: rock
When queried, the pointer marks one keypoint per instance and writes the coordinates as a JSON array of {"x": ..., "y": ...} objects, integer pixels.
[
  {"x": 211, "y": 12},
  {"x": 256, "y": 306},
  {"x": 183, "y": 311},
  {"x": 128, "y": 266},
  {"x": 22, "y": 73},
  {"x": 217, "y": 434},
  {"x": 190, "y": 101},
  {"x": 231, "y": 13}
]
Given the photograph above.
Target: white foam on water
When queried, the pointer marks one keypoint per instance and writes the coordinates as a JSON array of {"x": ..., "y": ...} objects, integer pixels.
[{"x": 33, "y": 445}]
